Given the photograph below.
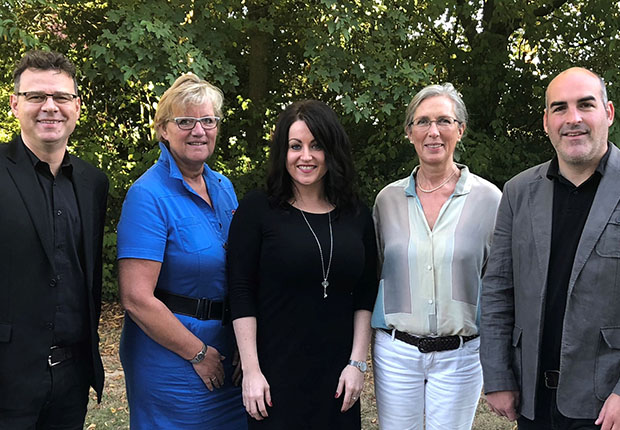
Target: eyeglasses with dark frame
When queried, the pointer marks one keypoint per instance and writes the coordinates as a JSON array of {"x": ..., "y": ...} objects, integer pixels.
[
  {"x": 443, "y": 123},
  {"x": 38, "y": 97},
  {"x": 189, "y": 122}
]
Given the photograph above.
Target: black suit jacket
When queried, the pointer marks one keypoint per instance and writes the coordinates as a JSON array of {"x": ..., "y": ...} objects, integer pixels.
[{"x": 27, "y": 286}]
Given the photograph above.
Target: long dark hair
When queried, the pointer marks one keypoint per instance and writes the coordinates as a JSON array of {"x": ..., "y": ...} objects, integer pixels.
[{"x": 330, "y": 135}]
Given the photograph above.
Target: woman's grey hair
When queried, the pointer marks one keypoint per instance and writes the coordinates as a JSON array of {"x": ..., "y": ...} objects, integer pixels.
[{"x": 445, "y": 90}]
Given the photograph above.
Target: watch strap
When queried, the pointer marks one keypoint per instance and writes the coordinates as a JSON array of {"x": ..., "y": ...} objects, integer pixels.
[
  {"x": 361, "y": 365},
  {"x": 200, "y": 355}
]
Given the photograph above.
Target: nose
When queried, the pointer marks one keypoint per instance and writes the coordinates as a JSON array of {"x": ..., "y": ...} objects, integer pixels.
[
  {"x": 433, "y": 130},
  {"x": 573, "y": 115},
  {"x": 198, "y": 130},
  {"x": 49, "y": 104},
  {"x": 305, "y": 152}
]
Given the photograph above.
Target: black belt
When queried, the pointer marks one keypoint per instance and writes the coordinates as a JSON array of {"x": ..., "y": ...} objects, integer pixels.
[
  {"x": 552, "y": 378},
  {"x": 58, "y": 354},
  {"x": 202, "y": 309},
  {"x": 431, "y": 344}
]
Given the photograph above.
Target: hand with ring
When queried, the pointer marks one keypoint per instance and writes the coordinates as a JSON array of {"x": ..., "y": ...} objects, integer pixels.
[
  {"x": 211, "y": 369},
  {"x": 350, "y": 384}
]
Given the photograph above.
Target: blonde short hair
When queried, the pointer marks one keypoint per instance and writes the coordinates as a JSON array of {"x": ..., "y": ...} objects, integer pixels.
[{"x": 187, "y": 89}]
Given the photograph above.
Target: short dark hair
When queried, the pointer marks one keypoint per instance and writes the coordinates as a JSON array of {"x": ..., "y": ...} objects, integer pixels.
[
  {"x": 44, "y": 60},
  {"x": 331, "y": 136}
]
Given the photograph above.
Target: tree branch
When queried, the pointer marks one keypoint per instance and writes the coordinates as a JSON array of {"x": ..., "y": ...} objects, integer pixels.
[
  {"x": 469, "y": 25},
  {"x": 547, "y": 9}
]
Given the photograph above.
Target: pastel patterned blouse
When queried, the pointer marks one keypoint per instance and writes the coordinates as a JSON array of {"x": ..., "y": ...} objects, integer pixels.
[{"x": 431, "y": 279}]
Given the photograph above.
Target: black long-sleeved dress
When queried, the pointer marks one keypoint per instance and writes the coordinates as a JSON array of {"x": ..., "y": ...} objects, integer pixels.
[{"x": 304, "y": 340}]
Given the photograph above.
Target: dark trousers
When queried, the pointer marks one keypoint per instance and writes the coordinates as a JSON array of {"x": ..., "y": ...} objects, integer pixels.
[
  {"x": 60, "y": 404},
  {"x": 548, "y": 417}
]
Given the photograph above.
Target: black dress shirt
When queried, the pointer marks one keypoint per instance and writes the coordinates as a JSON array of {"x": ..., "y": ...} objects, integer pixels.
[
  {"x": 63, "y": 215},
  {"x": 571, "y": 206}
]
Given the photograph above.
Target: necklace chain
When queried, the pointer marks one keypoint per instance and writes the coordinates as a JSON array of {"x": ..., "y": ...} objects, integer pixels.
[
  {"x": 438, "y": 186},
  {"x": 325, "y": 282}
]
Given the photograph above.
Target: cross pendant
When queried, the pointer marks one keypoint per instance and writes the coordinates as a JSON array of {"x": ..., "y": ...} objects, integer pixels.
[{"x": 325, "y": 284}]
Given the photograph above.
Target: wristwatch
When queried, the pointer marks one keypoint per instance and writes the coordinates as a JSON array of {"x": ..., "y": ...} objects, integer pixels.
[
  {"x": 361, "y": 365},
  {"x": 200, "y": 356}
]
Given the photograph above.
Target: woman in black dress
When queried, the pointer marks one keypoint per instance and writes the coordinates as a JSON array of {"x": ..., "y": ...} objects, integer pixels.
[{"x": 302, "y": 273}]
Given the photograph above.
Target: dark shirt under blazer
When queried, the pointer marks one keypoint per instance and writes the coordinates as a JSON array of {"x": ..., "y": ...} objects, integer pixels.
[
  {"x": 515, "y": 290},
  {"x": 571, "y": 207},
  {"x": 63, "y": 216},
  {"x": 28, "y": 272}
]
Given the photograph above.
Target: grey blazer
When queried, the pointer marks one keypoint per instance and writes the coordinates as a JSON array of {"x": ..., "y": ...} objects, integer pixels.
[{"x": 514, "y": 293}]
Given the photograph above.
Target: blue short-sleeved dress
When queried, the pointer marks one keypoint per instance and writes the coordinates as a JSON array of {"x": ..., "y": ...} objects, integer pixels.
[{"x": 164, "y": 220}]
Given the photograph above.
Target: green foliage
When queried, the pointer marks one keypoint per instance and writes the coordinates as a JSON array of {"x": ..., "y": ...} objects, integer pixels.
[{"x": 364, "y": 58}]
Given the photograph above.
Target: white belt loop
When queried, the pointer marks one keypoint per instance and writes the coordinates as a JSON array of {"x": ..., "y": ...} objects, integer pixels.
[
  {"x": 393, "y": 334},
  {"x": 460, "y": 341}
]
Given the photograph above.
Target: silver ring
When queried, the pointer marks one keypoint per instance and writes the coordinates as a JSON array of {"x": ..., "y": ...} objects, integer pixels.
[{"x": 354, "y": 398}]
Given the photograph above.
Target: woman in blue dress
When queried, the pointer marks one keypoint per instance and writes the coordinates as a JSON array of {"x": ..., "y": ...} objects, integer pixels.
[{"x": 176, "y": 353}]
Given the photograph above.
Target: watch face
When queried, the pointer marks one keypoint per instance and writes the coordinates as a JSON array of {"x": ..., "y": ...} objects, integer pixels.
[{"x": 362, "y": 366}]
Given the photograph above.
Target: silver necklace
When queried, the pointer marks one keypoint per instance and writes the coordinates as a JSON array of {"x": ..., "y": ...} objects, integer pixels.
[
  {"x": 325, "y": 282},
  {"x": 438, "y": 186}
]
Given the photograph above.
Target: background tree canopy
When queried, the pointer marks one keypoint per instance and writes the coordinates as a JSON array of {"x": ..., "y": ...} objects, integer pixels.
[{"x": 365, "y": 58}]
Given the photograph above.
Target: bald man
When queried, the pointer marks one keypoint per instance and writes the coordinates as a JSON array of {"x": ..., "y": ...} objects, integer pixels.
[{"x": 550, "y": 303}]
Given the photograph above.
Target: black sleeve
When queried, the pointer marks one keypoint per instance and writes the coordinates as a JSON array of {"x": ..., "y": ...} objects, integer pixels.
[
  {"x": 366, "y": 290},
  {"x": 243, "y": 256}
]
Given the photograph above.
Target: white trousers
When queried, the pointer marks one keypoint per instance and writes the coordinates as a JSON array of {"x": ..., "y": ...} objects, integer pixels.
[{"x": 442, "y": 387}]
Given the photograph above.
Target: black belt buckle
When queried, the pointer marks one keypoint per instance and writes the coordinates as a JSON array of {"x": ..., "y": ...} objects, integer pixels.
[
  {"x": 50, "y": 360},
  {"x": 209, "y": 308},
  {"x": 552, "y": 378},
  {"x": 425, "y": 344},
  {"x": 203, "y": 308}
]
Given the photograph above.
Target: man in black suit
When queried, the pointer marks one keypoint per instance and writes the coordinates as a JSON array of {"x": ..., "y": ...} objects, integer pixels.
[{"x": 52, "y": 209}]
